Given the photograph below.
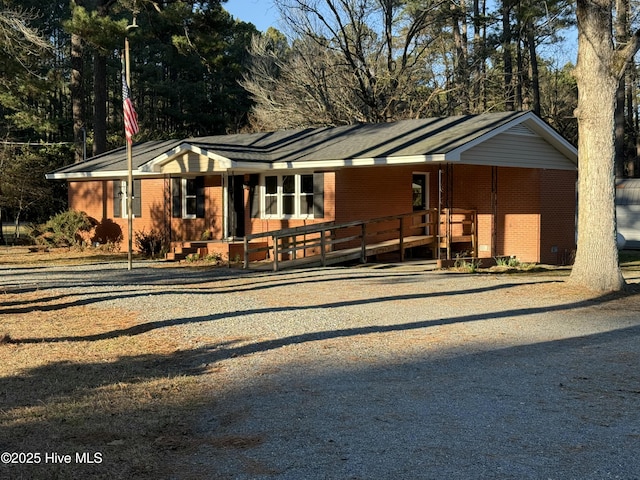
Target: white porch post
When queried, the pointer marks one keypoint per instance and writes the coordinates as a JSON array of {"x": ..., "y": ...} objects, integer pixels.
[{"x": 225, "y": 206}]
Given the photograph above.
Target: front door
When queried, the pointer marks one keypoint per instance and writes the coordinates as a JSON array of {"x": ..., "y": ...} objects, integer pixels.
[
  {"x": 420, "y": 189},
  {"x": 236, "y": 204}
]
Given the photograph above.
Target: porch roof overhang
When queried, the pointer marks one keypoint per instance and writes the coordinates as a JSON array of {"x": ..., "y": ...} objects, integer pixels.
[{"x": 409, "y": 142}]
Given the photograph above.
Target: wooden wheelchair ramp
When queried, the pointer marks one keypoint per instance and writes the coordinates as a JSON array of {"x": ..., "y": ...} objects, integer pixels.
[{"x": 329, "y": 243}]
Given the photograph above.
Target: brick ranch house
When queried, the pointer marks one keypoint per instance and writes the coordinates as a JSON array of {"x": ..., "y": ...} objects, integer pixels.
[{"x": 514, "y": 171}]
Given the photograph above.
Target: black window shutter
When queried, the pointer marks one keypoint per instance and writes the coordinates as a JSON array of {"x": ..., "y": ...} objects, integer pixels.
[
  {"x": 318, "y": 195},
  {"x": 176, "y": 197},
  {"x": 117, "y": 198},
  {"x": 254, "y": 195},
  {"x": 136, "y": 204},
  {"x": 200, "y": 197}
]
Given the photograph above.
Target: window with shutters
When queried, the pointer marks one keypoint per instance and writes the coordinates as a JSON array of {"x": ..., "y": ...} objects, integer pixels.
[
  {"x": 188, "y": 197},
  {"x": 120, "y": 209},
  {"x": 293, "y": 196}
]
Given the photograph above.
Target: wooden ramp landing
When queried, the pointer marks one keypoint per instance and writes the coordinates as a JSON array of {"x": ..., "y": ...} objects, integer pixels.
[{"x": 330, "y": 243}]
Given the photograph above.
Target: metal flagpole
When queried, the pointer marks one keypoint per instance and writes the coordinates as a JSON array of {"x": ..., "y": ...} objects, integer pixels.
[
  {"x": 129, "y": 169},
  {"x": 129, "y": 158}
]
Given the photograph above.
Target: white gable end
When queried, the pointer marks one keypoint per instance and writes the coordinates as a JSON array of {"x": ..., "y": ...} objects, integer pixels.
[{"x": 517, "y": 147}]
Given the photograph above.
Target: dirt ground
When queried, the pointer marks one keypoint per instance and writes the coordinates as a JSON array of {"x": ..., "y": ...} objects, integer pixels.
[{"x": 376, "y": 371}]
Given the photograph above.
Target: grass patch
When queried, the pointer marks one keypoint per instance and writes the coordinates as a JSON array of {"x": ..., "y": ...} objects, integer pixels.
[
  {"x": 67, "y": 387},
  {"x": 28, "y": 256}
]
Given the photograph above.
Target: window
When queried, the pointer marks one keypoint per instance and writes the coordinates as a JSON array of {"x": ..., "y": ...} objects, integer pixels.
[
  {"x": 306, "y": 195},
  {"x": 293, "y": 196},
  {"x": 187, "y": 196},
  {"x": 271, "y": 196},
  {"x": 120, "y": 199},
  {"x": 289, "y": 196}
]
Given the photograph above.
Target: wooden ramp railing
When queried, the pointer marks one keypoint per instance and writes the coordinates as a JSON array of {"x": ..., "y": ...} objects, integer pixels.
[
  {"x": 330, "y": 243},
  {"x": 458, "y": 225}
]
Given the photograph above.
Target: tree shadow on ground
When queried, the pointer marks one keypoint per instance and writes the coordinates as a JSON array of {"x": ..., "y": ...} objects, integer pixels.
[
  {"x": 565, "y": 408},
  {"x": 562, "y": 408},
  {"x": 172, "y": 322},
  {"x": 177, "y": 281}
]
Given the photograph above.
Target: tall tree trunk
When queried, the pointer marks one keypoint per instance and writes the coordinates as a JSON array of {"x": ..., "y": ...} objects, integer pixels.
[
  {"x": 100, "y": 89},
  {"x": 100, "y": 103},
  {"x": 77, "y": 96},
  {"x": 619, "y": 130},
  {"x": 507, "y": 55},
  {"x": 632, "y": 122},
  {"x": 533, "y": 70},
  {"x": 461, "y": 66},
  {"x": 478, "y": 100},
  {"x": 621, "y": 34},
  {"x": 522, "y": 79},
  {"x": 598, "y": 72}
]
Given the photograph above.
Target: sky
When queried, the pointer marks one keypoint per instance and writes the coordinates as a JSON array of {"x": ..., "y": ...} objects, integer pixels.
[{"x": 261, "y": 13}]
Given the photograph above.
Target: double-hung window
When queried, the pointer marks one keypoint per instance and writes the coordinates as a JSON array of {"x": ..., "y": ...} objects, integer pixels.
[
  {"x": 187, "y": 197},
  {"x": 293, "y": 196},
  {"x": 271, "y": 196},
  {"x": 120, "y": 199}
]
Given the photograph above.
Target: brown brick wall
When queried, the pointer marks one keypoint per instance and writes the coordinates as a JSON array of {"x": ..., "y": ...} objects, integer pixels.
[
  {"x": 472, "y": 191},
  {"x": 535, "y": 208},
  {"x": 371, "y": 192},
  {"x": 183, "y": 229},
  {"x": 558, "y": 210},
  {"x": 96, "y": 199},
  {"x": 518, "y": 219}
]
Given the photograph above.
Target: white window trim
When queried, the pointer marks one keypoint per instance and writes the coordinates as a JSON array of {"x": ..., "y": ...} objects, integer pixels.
[
  {"x": 124, "y": 211},
  {"x": 184, "y": 197},
  {"x": 279, "y": 195}
]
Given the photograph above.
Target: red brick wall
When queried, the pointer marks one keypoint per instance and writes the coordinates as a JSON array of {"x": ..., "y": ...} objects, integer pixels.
[
  {"x": 472, "y": 191},
  {"x": 535, "y": 211},
  {"x": 90, "y": 197},
  {"x": 185, "y": 229},
  {"x": 558, "y": 210},
  {"x": 96, "y": 199},
  {"x": 535, "y": 208},
  {"x": 518, "y": 219},
  {"x": 372, "y": 192}
]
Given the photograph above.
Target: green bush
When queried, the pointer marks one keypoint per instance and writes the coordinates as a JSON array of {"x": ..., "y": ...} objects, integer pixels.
[
  {"x": 511, "y": 262},
  {"x": 150, "y": 244},
  {"x": 63, "y": 230}
]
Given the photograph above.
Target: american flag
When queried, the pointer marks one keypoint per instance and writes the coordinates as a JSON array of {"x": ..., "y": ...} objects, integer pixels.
[{"x": 130, "y": 115}]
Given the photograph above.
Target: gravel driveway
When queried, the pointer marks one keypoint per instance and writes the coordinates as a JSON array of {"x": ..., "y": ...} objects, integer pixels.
[{"x": 389, "y": 371}]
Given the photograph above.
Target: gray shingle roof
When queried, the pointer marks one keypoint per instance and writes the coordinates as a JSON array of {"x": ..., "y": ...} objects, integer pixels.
[
  {"x": 404, "y": 138},
  {"x": 116, "y": 160},
  {"x": 430, "y": 136}
]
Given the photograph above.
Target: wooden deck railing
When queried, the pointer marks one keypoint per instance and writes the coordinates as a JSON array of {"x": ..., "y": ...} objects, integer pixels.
[
  {"x": 458, "y": 225},
  {"x": 330, "y": 242},
  {"x": 323, "y": 239}
]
